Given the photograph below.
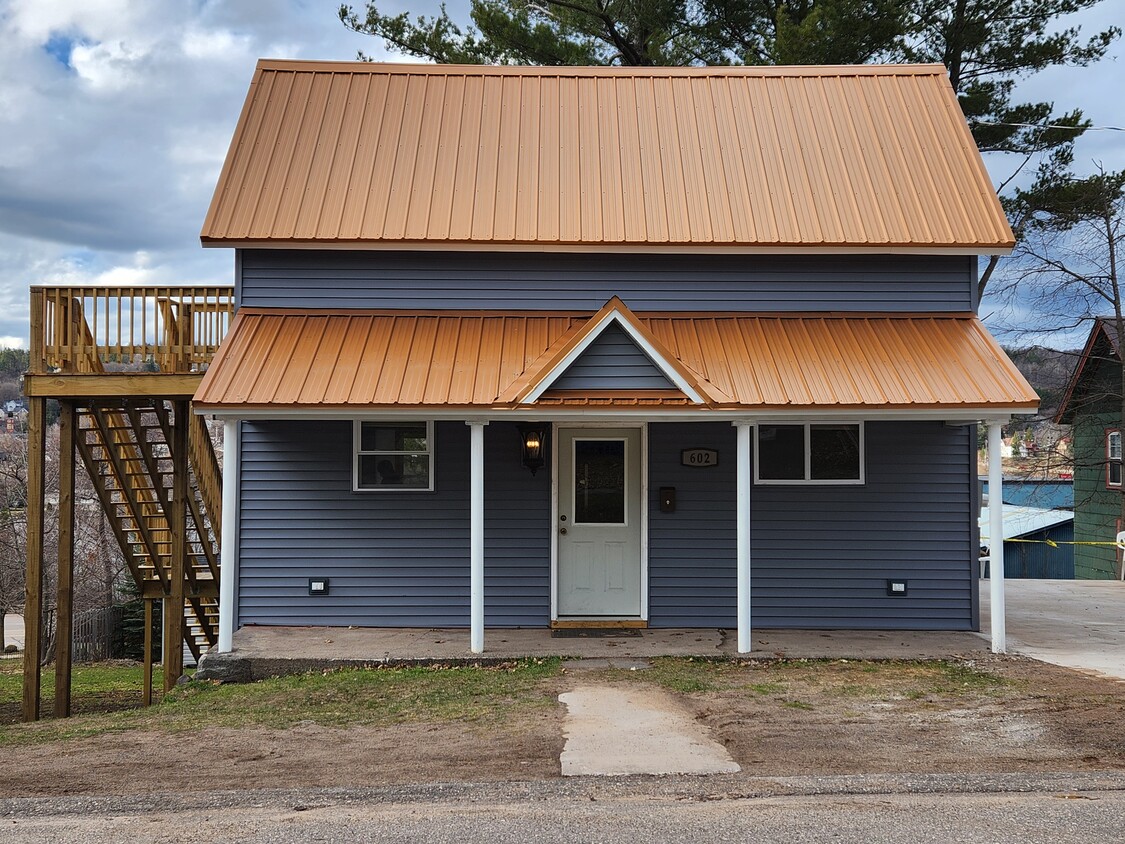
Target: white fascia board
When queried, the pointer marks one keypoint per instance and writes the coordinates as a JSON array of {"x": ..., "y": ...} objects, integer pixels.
[
  {"x": 969, "y": 416},
  {"x": 621, "y": 248},
  {"x": 658, "y": 360}
]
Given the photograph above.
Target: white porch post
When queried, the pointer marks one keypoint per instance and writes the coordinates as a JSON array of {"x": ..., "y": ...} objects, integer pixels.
[
  {"x": 743, "y": 546},
  {"x": 996, "y": 538},
  {"x": 476, "y": 536},
  {"x": 228, "y": 546}
]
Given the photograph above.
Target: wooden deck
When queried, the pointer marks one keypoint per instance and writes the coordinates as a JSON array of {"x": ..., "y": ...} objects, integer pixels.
[{"x": 124, "y": 363}]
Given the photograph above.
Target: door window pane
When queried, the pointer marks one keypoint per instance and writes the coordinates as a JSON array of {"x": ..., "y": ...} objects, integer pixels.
[
  {"x": 781, "y": 452},
  {"x": 599, "y": 482},
  {"x": 834, "y": 452}
]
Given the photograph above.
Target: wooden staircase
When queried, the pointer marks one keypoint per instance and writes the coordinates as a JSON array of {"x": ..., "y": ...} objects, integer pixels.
[
  {"x": 123, "y": 363},
  {"x": 127, "y": 447}
]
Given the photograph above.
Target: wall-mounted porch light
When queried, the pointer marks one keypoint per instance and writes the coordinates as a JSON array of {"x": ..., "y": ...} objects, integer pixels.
[{"x": 533, "y": 445}]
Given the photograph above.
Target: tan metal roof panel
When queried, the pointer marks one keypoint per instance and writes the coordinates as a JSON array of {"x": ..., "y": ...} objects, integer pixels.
[
  {"x": 380, "y": 359},
  {"x": 399, "y": 156}
]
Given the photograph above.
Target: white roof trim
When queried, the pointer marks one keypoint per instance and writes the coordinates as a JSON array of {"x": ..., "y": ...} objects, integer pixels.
[
  {"x": 681, "y": 414},
  {"x": 658, "y": 360}
]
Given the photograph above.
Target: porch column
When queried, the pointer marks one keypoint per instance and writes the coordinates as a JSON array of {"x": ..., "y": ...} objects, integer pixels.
[
  {"x": 476, "y": 536},
  {"x": 743, "y": 547},
  {"x": 996, "y": 539},
  {"x": 228, "y": 545}
]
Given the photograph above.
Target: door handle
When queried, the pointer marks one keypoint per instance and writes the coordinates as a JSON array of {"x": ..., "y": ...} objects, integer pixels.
[{"x": 562, "y": 530}]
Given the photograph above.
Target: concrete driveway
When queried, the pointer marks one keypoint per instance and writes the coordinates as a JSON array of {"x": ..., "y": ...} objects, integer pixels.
[{"x": 1073, "y": 623}]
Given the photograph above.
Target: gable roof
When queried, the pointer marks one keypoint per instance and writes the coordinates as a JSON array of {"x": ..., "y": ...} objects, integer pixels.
[
  {"x": 371, "y": 155},
  {"x": 1102, "y": 346},
  {"x": 363, "y": 361},
  {"x": 539, "y": 378}
]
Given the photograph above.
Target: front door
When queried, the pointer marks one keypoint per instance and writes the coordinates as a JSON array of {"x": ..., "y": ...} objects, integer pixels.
[{"x": 599, "y": 522}]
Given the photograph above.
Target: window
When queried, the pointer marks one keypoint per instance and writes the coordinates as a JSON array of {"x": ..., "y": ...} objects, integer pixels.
[
  {"x": 1113, "y": 458},
  {"x": 394, "y": 456},
  {"x": 808, "y": 453}
]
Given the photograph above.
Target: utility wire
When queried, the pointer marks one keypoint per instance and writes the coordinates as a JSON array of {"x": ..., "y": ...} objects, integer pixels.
[{"x": 1048, "y": 126}]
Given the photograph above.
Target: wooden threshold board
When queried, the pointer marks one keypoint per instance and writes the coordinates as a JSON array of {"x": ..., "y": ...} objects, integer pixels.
[{"x": 599, "y": 624}]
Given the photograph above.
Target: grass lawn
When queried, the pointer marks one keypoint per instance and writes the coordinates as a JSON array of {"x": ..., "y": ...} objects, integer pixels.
[{"x": 106, "y": 698}]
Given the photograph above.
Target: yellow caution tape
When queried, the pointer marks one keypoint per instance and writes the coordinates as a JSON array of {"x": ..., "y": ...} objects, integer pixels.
[{"x": 1056, "y": 543}]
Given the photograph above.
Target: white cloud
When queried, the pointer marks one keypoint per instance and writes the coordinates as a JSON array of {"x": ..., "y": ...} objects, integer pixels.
[{"x": 12, "y": 343}]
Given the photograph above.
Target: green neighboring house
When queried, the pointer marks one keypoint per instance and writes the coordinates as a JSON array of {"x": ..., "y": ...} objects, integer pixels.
[{"x": 1092, "y": 404}]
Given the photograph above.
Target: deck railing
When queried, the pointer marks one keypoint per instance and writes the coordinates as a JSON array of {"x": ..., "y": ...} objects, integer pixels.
[{"x": 135, "y": 329}]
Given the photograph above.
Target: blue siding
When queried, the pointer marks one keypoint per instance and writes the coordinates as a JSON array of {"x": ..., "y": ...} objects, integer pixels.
[
  {"x": 393, "y": 559},
  {"x": 821, "y": 555},
  {"x": 691, "y": 558},
  {"x": 373, "y": 279},
  {"x": 613, "y": 361},
  {"x": 1037, "y": 559}
]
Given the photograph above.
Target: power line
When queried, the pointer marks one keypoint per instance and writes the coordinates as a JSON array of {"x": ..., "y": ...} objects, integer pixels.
[{"x": 1049, "y": 126}]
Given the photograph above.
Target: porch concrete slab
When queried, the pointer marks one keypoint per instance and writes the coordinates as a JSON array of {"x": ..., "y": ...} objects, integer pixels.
[
  {"x": 613, "y": 731},
  {"x": 1074, "y": 623},
  {"x": 270, "y": 651}
]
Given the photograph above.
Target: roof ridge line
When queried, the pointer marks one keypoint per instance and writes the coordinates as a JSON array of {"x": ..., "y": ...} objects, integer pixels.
[{"x": 335, "y": 66}]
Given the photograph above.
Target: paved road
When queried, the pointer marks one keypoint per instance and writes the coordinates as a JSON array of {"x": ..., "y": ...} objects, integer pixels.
[
  {"x": 13, "y": 630},
  {"x": 1073, "y": 623},
  {"x": 873, "y": 810}
]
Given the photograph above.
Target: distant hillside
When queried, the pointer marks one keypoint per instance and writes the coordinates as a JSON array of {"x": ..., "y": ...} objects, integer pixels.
[{"x": 1048, "y": 371}]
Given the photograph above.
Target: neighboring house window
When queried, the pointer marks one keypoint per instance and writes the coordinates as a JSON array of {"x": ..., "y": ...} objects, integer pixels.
[
  {"x": 809, "y": 453},
  {"x": 394, "y": 456},
  {"x": 1113, "y": 458}
]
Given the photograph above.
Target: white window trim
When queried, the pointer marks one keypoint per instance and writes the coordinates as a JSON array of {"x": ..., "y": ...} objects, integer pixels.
[
  {"x": 357, "y": 426},
  {"x": 1110, "y": 459},
  {"x": 808, "y": 480}
]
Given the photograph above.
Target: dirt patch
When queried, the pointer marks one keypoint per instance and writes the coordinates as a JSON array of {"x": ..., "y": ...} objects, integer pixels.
[
  {"x": 838, "y": 718},
  {"x": 144, "y": 762},
  {"x": 1000, "y": 714}
]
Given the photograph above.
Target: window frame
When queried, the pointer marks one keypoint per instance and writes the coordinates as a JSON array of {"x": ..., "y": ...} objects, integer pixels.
[
  {"x": 357, "y": 452},
  {"x": 1111, "y": 461},
  {"x": 808, "y": 480}
]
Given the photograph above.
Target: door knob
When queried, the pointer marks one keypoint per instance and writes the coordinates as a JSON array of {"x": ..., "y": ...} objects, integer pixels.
[{"x": 562, "y": 530}]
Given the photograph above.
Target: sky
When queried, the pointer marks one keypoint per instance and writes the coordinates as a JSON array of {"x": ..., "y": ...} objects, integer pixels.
[{"x": 115, "y": 117}]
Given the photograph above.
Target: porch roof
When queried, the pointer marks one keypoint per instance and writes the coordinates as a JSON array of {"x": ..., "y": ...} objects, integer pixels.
[{"x": 381, "y": 360}]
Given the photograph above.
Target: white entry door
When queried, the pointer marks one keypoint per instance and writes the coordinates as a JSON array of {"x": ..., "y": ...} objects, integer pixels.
[{"x": 599, "y": 522}]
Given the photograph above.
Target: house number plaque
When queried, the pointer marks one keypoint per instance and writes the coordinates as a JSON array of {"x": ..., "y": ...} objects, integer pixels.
[{"x": 699, "y": 457}]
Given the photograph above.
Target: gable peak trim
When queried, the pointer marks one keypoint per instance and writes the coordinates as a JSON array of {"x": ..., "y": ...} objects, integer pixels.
[{"x": 614, "y": 312}]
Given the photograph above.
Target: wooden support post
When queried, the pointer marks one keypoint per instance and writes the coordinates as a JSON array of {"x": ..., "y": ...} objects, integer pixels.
[
  {"x": 177, "y": 523},
  {"x": 64, "y": 614},
  {"x": 146, "y": 695},
  {"x": 33, "y": 603}
]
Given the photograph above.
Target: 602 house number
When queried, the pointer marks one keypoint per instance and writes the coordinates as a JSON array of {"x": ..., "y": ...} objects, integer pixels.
[{"x": 699, "y": 457}]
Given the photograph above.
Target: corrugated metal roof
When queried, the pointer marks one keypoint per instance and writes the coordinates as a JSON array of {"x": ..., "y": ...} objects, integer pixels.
[
  {"x": 367, "y": 359},
  {"x": 370, "y": 154},
  {"x": 1020, "y": 521}
]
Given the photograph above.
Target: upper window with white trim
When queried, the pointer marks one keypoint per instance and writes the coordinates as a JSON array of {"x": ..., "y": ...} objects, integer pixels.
[
  {"x": 828, "y": 453},
  {"x": 393, "y": 456},
  {"x": 1113, "y": 458}
]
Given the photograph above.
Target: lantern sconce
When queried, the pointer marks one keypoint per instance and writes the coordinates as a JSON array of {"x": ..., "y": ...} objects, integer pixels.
[{"x": 533, "y": 445}]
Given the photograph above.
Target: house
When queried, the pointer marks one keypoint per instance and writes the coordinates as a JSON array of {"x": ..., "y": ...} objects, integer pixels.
[
  {"x": 1092, "y": 404},
  {"x": 646, "y": 347},
  {"x": 1038, "y": 542}
]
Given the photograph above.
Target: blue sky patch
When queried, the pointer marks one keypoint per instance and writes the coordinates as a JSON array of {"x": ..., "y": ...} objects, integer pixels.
[{"x": 60, "y": 47}]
